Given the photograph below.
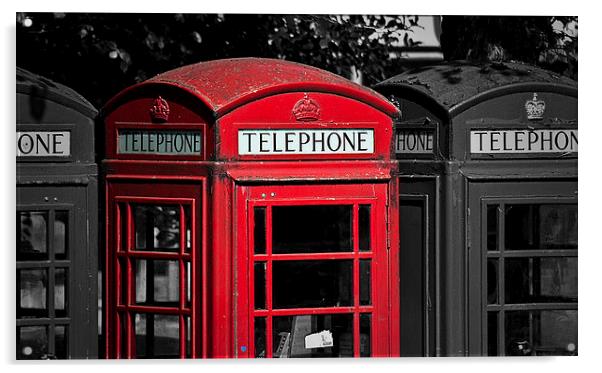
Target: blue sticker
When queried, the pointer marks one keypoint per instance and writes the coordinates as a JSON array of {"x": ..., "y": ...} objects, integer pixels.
[{"x": 243, "y": 348}]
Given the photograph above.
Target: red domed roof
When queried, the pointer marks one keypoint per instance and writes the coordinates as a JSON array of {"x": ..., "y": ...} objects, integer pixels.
[{"x": 223, "y": 85}]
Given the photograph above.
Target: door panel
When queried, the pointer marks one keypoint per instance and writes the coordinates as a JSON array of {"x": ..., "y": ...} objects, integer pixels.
[
  {"x": 313, "y": 271},
  {"x": 52, "y": 249},
  {"x": 523, "y": 268},
  {"x": 154, "y": 261}
]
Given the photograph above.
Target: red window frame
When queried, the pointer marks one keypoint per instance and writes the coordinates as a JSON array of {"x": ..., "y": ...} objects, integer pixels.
[
  {"x": 120, "y": 282},
  {"x": 355, "y": 195}
]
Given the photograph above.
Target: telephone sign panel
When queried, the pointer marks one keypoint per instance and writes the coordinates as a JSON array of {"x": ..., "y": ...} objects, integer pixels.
[
  {"x": 44, "y": 144},
  {"x": 295, "y": 141}
]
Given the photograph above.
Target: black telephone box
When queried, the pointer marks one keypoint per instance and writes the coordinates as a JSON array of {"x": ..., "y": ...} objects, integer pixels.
[
  {"x": 56, "y": 219},
  {"x": 487, "y": 168}
]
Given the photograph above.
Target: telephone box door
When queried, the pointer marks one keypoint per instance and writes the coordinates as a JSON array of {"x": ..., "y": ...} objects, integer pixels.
[
  {"x": 154, "y": 271},
  {"x": 313, "y": 271},
  {"x": 53, "y": 289}
]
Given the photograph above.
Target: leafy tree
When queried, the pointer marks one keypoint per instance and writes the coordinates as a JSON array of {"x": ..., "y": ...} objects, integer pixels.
[
  {"x": 99, "y": 54},
  {"x": 549, "y": 42}
]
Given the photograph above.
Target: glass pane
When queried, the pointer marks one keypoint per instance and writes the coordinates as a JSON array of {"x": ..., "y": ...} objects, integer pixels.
[
  {"x": 141, "y": 326},
  {"x": 157, "y": 281},
  {"x": 157, "y": 227},
  {"x": 259, "y": 332},
  {"x": 125, "y": 244},
  {"x": 492, "y": 225},
  {"x": 188, "y": 218},
  {"x": 32, "y": 342},
  {"x": 492, "y": 333},
  {"x": 365, "y": 287},
  {"x": 33, "y": 290},
  {"x": 365, "y": 335},
  {"x": 313, "y": 336},
  {"x": 60, "y": 292},
  {"x": 188, "y": 284},
  {"x": 312, "y": 283},
  {"x": 545, "y": 227},
  {"x": 188, "y": 336},
  {"x": 544, "y": 279},
  {"x": 60, "y": 342},
  {"x": 33, "y": 235},
  {"x": 492, "y": 281},
  {"x": 259, "y": 230},
  {"x": 122, "y": 268},
  {"x": 61, "y": 219},
  {"x": 364, "y": 227},
  {"x": 259, "y": 286},
  {"x": 541, "y": 332},
  {"x": 167, "y": 336},
  {"x": 310, "y": 229}
]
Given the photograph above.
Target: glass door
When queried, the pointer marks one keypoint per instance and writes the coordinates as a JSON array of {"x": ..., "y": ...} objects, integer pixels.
[
  {"x": 155, "y": 270},
  {"x": 526, "y": 253},
  {"x": 51, "y": 256},
  {"x": 316, "y": 264}
]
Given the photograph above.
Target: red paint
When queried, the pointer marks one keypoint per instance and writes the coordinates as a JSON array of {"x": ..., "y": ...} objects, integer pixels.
[{"x": 219, "y": 98}]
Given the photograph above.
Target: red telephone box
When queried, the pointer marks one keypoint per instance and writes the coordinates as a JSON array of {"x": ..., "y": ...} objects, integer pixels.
[{"x": 248, "y": 215}]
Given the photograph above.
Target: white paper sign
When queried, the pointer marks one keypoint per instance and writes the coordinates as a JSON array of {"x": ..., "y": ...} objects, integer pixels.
[
  {"x": 523, "y": 141},
  {"x": 44, "y": 144},
  {"x": 318, "y": 340},
  {"x": 308, "y": 141}
]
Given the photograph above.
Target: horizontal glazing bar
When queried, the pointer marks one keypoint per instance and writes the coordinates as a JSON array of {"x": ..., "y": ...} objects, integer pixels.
[
  {"x": 44, "y": 264},
  {"x": 154, "y": 255},
  {"x": 531, "y": 253},
  {"x": 154, "y": 200},
  {"x": 43, "y": 321},
  {"x": 313, "y": 311},
  {"x": 314, "y": 256},
  {"x": 154, "y": 309},
  {"x": 533, "y": 306}
]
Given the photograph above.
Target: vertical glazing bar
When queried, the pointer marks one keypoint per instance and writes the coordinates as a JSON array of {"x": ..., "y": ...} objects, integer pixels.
[
  {"x": 501, "y": 335},
  {"x": 182, "y": 291},
  {"x": 116, "y": 286},
  {"x": 107, "y": 275},
  {"x": 129, "y": 286},
  {"x": 118, "y": 336},
  {"x": 194, "y": 321},
  {"x": 356, "y": 282},
  {"x": 182, "y": 230},
  {"x": 268, "y": 283},
  {"x": 182, "y": 336},
  {"x": 203, "y": 254},
  {"x": 51, "y": 281},
  {"x": 251, "y": 276},
  {"x": 183, "y": 275},
  {"x": 501, "y": 274},
  {"x": 130, "y": 339}
]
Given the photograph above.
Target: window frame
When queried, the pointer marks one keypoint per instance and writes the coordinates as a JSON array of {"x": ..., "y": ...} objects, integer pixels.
[
  {"x": 50, "y": 321},
  {"x": 501, "y": 254},
  {"x": 353, "y": 195}
]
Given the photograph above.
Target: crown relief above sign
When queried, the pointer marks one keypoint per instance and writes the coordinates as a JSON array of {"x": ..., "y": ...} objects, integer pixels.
[
  {"x": 306, "y": 109},
  {"x": 159, "y": 110},
  {"x": 535, "y": 108}
]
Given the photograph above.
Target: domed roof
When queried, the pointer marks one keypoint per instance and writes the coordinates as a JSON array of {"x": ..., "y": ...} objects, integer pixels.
[
  {"x": 461, "y": 83},
  {"x": 223, "y": 85},
  {"x": 36, "y": 85}
]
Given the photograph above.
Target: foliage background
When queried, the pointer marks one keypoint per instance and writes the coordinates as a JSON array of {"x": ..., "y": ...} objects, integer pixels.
[{"x": 98, "y": 54}]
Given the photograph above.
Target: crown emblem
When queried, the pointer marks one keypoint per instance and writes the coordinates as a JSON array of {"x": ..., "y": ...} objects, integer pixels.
[
  {"x": 306, "y": 109},
  {"x": 160, "y": 110},
  {"x": 535, "y": 108}
]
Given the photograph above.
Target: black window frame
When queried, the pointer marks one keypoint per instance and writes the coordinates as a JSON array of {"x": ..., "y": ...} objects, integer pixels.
[{"x": 501, "y": 254}]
